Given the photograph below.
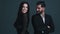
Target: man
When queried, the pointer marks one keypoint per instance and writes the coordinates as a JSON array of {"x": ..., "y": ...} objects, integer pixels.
[{"x": 42, "y": 22}]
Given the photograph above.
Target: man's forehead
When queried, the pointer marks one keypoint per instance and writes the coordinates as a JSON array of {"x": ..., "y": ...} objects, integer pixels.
[{"x": 38, "y": 5}]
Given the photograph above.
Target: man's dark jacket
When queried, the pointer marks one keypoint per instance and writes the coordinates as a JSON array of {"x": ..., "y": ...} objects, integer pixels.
[{"x": 39, "y": 26}]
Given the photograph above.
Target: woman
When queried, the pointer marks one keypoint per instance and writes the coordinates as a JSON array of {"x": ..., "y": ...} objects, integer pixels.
[{"x": 22, "y": 20}]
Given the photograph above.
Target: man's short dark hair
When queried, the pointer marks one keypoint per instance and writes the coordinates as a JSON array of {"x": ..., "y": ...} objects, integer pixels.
[{"x": 42, "y": 3}]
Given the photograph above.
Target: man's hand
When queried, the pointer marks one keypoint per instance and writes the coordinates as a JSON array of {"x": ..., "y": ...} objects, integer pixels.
[{"x": 48, "y": 26}]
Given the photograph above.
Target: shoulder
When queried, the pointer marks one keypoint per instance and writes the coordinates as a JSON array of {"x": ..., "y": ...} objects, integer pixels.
[
  {"x": 47, "y": 15},
  {"x": 35, "y": 15}
]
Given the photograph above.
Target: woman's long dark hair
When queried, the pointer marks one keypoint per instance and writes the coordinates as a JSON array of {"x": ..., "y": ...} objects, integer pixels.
[
  {"x": 20, "y": 8},
  {"x": 19, "y": 15}
]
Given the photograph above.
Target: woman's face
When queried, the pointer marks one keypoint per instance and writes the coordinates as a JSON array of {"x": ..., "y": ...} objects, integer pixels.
[{"x": 25, "y": 8}]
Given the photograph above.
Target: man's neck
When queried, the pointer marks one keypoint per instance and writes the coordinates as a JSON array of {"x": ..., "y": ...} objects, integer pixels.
[
  {"x": 43, "y": 13},
  {"x": 43, "y": 16}
]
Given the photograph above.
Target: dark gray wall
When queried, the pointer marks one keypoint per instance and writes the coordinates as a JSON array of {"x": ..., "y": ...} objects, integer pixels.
[{"x": 9, "y": 10}]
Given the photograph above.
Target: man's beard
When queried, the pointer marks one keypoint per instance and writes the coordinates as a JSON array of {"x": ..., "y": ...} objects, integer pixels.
[{"x": 39, "y": 12}]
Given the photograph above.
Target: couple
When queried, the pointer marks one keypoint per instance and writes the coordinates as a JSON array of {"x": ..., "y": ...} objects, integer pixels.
[{"x": 42, "y": 22}]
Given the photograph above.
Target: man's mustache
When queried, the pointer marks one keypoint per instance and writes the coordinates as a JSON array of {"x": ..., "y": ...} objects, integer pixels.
[{"x": 39, "y": 12}]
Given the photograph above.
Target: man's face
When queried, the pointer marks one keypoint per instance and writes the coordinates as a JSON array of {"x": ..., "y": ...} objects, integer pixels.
[
  {"x": 24, "y": 8},
  {"x": 40, "y": 9}
]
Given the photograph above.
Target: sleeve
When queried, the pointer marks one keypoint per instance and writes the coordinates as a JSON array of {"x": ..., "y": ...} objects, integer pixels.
[
  {"x": 51, "y": 24},
  {"x": 17, "y": 24},
  {"x": 34, "y": 23}
]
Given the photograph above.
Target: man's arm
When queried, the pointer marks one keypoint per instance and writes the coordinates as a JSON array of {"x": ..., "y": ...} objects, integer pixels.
[{"x": 51, "y": 26}]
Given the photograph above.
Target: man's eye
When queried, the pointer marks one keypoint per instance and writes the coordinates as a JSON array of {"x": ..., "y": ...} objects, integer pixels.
[{"x": 38, "y": 8}]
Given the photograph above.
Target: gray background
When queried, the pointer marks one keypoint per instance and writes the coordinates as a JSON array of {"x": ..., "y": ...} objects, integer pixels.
[{"x": 9, "y": 10}]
